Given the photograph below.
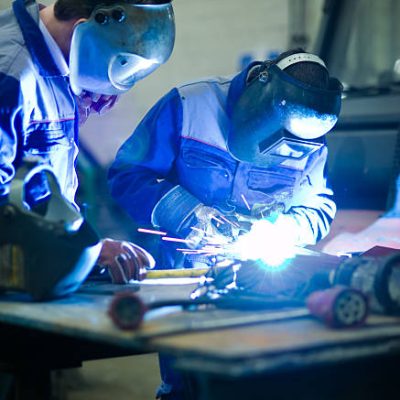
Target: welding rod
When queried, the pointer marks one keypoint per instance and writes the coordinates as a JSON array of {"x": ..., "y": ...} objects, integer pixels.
[
  {"x": 177, "y": 273},
  {"x": 197, "y": 272}
]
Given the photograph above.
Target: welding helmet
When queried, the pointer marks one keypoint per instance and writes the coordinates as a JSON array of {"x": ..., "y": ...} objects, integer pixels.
[
  {"x": 120, "y": 44},
  {"x": 45, "y": 255},
  {"x": 281, "y": 117}
]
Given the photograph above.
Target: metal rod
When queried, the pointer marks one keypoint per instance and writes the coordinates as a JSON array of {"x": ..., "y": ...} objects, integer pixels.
[{"x": 176, "y": 273}]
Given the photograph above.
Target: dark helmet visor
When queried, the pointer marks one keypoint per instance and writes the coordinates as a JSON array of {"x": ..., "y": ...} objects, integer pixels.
[{"x": 275, "y": 101}]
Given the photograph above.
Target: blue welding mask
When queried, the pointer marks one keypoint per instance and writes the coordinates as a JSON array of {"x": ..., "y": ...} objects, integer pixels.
[
  {"x": 279, "y": 118},
  {"x": 44, "y": 254},
  {"x": 120, "y": 44}
]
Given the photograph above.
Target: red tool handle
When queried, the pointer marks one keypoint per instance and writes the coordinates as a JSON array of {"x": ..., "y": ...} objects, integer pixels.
[
  {"x": 339, "y": 306},
  {"x": 127, "y": 310}
]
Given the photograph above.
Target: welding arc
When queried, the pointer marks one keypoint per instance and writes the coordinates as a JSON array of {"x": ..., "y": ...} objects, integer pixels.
[{"x": 198, "y": 272}]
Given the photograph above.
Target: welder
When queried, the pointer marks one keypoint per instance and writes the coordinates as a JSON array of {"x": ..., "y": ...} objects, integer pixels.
[
  {"x": 60, "y": 63},
  {"x": 249, "y": 147},
  {"x": 213, "y": 157}
]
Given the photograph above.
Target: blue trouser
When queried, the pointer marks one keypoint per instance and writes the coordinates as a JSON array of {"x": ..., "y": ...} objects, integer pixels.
[{"x": 172, "y": 386}]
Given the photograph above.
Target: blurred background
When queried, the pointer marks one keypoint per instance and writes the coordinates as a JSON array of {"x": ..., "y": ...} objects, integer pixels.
[{"x": 360, "y": 42}]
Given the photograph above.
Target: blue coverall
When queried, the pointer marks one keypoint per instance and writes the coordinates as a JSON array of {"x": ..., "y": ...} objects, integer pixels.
[
  {"x": 38, "y": 113},
  {"x": 180, "y": 148}
]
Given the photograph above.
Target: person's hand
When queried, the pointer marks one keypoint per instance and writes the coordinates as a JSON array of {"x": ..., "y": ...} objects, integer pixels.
[
  {"x": 124, "y": 260},
  {"x": 89, "y": 103}
]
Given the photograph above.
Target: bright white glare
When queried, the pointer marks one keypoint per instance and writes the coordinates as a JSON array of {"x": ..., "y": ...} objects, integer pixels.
[
  {"x": 271, "y": 243},
  {"x": 311, "y": 126},
  {"x": 287, "y": 151},
  {"x": 124, "y": 67},
  {"x": 74, "y": 225},
  {"x": 134, "y": 67}
]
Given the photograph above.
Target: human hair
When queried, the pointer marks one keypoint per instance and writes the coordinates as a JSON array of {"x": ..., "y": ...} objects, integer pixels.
[
  {"x": 65, "y": 10},
  {"x": 308, "y": 72}
]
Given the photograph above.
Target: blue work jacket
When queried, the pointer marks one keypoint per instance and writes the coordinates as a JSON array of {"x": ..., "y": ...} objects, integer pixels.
[
  {"x": 182, "y": 142},
  {"x": 37, "y": 107}
]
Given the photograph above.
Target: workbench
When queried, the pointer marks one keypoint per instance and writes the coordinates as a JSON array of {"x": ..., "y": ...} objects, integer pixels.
[{"x": 288, "y": 358}]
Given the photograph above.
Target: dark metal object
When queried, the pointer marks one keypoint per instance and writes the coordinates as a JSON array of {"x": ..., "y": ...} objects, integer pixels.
[
  {"x": 375, "y": 273},
  {"x": 376, "y": 276},
  {"x": 296, "y": 278}
]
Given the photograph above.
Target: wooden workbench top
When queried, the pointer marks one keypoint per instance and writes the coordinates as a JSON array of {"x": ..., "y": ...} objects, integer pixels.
[{"x": 201, "y": 335}]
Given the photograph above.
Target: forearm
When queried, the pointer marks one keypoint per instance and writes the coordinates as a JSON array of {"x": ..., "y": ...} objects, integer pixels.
[
  {"x": 313, "y": 224},
  {"x": 10, "y": 123},
  {"x": 143, "y": 171},
  {"x": 314, "y": 207},
  {"x": 137, "y": 191},
  {"x": 175, "y": 210},
  {"x": 7, "y": 156}
]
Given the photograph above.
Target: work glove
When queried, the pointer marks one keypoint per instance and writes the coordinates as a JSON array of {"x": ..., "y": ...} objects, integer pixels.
[
  {"x": 257, "y": 212},
  {"x": 93, "y": 103},
  {"x": 262, "y": 210},
  {"x": 182, "y": 214},
  {"x": 211, "y": 227},
  {"x": 124, "y": 260}
]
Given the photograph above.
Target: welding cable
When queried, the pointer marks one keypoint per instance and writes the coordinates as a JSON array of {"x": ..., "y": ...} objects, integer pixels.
[{"x": 127, "y": 309}]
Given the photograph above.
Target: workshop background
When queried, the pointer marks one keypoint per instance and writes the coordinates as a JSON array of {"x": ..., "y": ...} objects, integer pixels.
[{"x": 213, "y": 37}]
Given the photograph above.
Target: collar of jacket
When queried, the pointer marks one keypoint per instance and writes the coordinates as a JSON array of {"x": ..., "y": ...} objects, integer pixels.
[
  {"x": 237, "y": 86},
  {"x": 34, "y": 40}
]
